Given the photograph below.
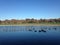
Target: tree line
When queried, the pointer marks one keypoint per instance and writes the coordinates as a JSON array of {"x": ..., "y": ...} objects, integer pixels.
[{"x": 23, "y": 21}]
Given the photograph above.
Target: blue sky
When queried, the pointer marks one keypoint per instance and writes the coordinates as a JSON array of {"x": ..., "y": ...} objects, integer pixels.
[{"x": 21, "y": 9}]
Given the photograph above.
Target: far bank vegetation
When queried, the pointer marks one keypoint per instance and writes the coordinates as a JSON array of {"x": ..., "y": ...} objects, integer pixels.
[{"x": 28, "y": 21}]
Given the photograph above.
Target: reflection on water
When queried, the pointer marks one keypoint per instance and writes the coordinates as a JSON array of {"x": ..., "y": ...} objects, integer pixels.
[
  {"x": 29, "y": 35},
  {"x": 27, "y": 28}
]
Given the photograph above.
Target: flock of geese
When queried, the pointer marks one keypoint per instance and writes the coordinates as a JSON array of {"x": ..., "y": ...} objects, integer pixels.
[
  {"x": 42, "y": 30},
  {"x": 31, "y": 29}
]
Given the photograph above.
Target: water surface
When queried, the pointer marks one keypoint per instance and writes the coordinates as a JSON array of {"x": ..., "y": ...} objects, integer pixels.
[{"x": 29, "y": 35}]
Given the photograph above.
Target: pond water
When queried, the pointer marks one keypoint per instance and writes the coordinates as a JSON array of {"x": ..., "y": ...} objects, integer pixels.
[{"x": 29, "y": 35}]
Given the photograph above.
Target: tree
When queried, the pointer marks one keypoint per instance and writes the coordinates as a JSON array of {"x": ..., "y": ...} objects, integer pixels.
[{"x": 0, "y": 21}]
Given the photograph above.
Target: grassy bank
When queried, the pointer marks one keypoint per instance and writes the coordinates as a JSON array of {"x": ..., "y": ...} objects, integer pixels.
[{"x": 31, "y": 24}]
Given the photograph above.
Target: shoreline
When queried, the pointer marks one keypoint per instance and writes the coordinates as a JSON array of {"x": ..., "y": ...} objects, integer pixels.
[{"x": 30, "y": 25}]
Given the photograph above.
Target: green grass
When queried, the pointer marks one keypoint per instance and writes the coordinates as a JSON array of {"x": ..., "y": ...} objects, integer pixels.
[{"x": 32, "y": 24}]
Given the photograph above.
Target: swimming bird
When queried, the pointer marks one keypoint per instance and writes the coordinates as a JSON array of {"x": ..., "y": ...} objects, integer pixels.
[
  {"x": 30, "y": 30},
  {"x": 39, "y": 30},
  {"x": 35, "y": 31},
  {"x": 43, "y": 30},
  {"x": 55, "y": 28}
]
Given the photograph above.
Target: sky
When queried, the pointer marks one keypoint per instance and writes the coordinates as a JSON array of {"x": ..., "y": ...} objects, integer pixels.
[{"x": 22, "y": 9}]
